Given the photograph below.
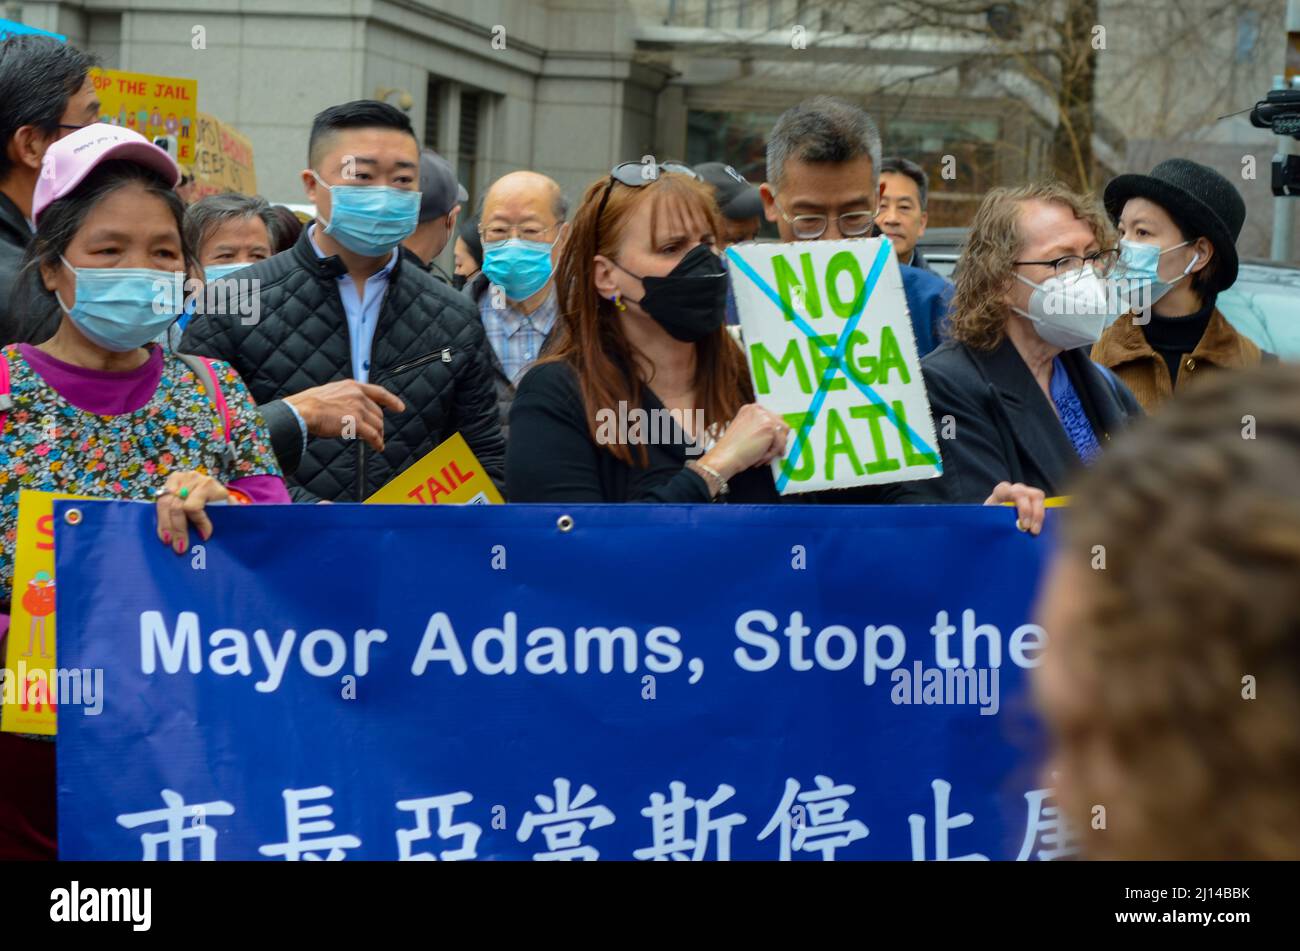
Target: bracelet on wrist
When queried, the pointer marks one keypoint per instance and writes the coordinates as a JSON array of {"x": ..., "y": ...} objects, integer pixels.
[{"x": 712, "y": 478}]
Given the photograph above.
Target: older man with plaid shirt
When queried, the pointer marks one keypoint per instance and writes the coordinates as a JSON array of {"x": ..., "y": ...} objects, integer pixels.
[{"x": 522, "y": 225}]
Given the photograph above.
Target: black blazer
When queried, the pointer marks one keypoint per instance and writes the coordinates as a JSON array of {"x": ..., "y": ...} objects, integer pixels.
[{"x": 1003, "y": 428}]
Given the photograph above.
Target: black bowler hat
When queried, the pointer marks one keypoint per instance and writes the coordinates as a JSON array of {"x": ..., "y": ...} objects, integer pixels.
[{"x": 1196, "y": 197}]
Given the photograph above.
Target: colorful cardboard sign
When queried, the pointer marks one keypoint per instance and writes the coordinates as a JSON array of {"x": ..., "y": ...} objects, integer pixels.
[
  {"x": 223, "y": 159},
  {"x": 151, "y": 105},
  {"x": 450, "y": 474},
  {"x": 30, "y": 697}
]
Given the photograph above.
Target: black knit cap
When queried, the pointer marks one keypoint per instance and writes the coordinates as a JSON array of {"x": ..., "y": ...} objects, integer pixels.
[{"x": 1197, "y": 198}]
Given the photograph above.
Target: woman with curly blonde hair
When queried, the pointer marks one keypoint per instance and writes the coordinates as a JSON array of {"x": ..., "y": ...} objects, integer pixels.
[
  {"x": 1014, "y": 395},
  {"x": 1171, "y": 679}
]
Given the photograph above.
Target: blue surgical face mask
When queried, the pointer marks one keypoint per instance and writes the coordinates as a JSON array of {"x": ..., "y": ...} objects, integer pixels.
[
  {"x": 371, "y": 220},
  {"x": 122, "y": 308},
  {"x": 520, "y": 268},
  {"x": 215, "y": 272},
  {"x": 1139, "y": 266}
]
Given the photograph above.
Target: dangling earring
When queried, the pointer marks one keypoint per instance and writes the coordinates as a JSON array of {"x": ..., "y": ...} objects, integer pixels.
[{"x": 618, "y": 300}]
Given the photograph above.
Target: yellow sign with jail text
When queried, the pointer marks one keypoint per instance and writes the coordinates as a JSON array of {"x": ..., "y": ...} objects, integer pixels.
[
  {"x": 154, "y": 106},
  {"x": 450, "y": 474},
  {"x": 31, "y": 684}
]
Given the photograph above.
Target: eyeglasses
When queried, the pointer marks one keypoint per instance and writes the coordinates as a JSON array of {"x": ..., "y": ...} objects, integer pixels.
[
  {"x": 529, "y": 232},
  {"x": 1069, "y": 268},
  {"x": 852, "y": 224},
  {"x": 635, "y": 175}
]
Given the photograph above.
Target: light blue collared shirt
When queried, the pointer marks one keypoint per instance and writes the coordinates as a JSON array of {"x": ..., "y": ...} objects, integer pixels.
[{"x": 362, "y": 312}]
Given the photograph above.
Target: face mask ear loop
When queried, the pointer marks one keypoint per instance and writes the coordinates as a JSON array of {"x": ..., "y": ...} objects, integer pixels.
[
  {"x": 621, "y": 297},
  {"x": 325, "y": 225},
  {"x": 59, "y": 300}
]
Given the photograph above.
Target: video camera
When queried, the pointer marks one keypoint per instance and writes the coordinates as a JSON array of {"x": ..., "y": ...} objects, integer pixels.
[{"x": 1280, "y": 113}]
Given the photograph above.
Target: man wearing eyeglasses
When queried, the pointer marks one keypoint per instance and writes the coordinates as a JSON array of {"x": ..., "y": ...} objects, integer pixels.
[
  {"x": 45, "y": 93},
  {"x": 522, "y": 226},
  {"x": 823, "y": 184}
]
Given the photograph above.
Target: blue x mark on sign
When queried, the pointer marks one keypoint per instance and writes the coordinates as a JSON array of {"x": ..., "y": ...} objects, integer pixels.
[{"x": 835, "y": 366}]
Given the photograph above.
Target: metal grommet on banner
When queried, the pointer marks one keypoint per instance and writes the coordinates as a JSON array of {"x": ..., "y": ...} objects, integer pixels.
[
  {"x": 72, "y": 516},
  {"x": 564, "y": 523}
]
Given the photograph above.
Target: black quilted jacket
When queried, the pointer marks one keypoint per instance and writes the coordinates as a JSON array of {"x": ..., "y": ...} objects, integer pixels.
[{"x": 428, "y": 349}]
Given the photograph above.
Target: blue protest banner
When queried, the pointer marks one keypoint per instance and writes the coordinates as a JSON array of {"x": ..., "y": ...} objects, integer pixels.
[{"x": 543, "y": 682}]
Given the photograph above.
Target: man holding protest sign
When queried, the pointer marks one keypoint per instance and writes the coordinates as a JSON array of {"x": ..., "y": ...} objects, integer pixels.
[
  {"x": 348, "y": 330},
  {"x": 823, "y": 158}
]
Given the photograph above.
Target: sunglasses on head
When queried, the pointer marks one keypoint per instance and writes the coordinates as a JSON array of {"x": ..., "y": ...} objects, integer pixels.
[{"x": 636, "y": 174}]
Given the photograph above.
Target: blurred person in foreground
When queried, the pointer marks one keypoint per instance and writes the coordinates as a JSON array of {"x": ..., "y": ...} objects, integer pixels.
[{"x": 1148, "y": 680}]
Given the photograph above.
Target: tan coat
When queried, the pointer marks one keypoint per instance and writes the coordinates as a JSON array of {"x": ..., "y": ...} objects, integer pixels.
[{"x": 1124, "y": 349}]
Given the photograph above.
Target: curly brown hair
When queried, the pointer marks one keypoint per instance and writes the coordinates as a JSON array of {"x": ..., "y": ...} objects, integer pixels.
[
  {"x": 1197, "y": 512},
  {"x": 983, "y": 275}
]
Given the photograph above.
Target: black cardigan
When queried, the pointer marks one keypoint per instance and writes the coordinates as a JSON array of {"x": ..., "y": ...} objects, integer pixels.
[
  {"x": 551, "y": 456},
  {"x": 1004, "y": 429}
]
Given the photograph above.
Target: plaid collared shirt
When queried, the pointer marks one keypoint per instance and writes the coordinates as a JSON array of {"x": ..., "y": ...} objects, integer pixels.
[{"x": 516, "y": 337}]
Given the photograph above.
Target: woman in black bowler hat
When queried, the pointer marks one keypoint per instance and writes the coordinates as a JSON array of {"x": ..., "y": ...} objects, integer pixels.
[{"x": 1178, "y": 228}]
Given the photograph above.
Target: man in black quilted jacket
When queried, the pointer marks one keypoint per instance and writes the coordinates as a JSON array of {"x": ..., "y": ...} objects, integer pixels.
[{"x": 360, "y": 362}]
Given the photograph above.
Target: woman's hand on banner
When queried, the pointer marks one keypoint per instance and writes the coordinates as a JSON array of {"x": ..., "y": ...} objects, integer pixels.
[
  {"x": 1027, "y": 500},
  {"x": 180, "y": 502}
]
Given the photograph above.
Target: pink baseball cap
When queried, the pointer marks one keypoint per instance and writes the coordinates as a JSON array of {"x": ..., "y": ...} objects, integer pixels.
[{"x": 68, "y": 161}]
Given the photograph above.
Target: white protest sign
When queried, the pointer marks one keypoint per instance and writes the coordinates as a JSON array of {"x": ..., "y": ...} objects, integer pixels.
[{"x": 831, "y": 350}]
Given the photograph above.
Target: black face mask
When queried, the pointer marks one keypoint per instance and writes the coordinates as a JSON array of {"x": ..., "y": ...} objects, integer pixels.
[
  {"x": 458, "y": 281},
  {"x": 690, "y": 302}
]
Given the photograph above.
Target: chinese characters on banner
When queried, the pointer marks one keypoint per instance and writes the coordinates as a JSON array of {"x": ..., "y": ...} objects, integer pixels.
[{"x": 449, "y": 682}]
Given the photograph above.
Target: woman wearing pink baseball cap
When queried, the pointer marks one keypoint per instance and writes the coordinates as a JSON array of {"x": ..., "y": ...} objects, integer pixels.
[{"x": 102, "y": 410}]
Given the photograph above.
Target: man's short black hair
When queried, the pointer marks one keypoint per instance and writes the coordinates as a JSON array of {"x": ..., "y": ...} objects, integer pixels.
[
  {"x": 902, "y": 166},
  {"x": 38, "y": 75},
  {"x": 359, "y": 114}
]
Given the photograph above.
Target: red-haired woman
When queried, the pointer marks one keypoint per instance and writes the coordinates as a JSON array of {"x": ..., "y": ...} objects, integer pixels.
[{"x": 643, "y": 395}]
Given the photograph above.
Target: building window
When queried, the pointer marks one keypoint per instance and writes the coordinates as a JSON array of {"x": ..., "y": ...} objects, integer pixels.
[
  {"x": 467, "y": 144},
  {"x": 432, "y": 113}
]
